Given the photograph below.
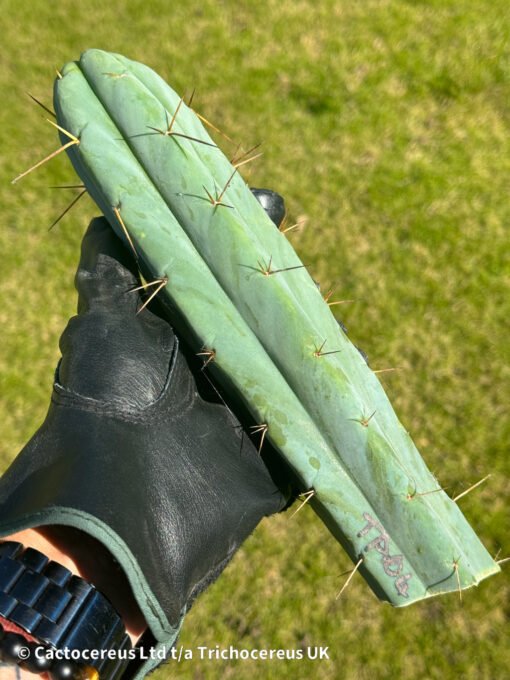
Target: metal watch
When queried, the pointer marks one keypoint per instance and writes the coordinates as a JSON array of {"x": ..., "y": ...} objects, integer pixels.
[{"x": 64, "y": 614}]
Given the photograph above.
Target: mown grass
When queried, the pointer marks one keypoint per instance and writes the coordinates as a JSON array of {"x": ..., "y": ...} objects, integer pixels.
[{"x": 385, "y": 125}]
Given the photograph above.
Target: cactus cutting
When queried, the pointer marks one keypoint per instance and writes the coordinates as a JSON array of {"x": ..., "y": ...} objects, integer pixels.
[{"x": 238, "y": 292}]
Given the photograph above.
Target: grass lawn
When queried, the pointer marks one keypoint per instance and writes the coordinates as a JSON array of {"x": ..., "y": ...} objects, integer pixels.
[{"x": 386, "y": 126}]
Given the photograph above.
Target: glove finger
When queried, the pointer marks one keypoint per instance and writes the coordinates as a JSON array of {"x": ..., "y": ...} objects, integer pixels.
[
  {"x": 106, "y": 271},
  {"x": 109, "y": 352},
  {"x": 273, "y": 204}
]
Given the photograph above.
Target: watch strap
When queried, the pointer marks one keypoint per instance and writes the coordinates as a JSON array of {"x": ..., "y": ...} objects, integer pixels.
[{"x": 61, "y": 609}]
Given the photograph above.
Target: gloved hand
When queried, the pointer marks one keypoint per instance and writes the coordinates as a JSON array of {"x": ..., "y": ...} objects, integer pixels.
[{"x": 136, "y": 451}]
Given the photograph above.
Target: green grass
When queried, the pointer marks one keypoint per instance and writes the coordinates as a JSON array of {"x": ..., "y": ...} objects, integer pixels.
[{"x": 385, "y": 124}]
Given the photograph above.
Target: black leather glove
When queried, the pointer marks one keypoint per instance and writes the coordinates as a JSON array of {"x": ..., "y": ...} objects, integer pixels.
[{"x": 135, "y": 452}]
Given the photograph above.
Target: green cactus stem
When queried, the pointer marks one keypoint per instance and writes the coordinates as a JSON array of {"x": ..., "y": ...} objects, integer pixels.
[{"x": 249, "y": 306}]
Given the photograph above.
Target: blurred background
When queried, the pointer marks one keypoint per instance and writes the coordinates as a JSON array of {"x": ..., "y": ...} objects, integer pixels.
[{"x": 385, "y": 125}]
